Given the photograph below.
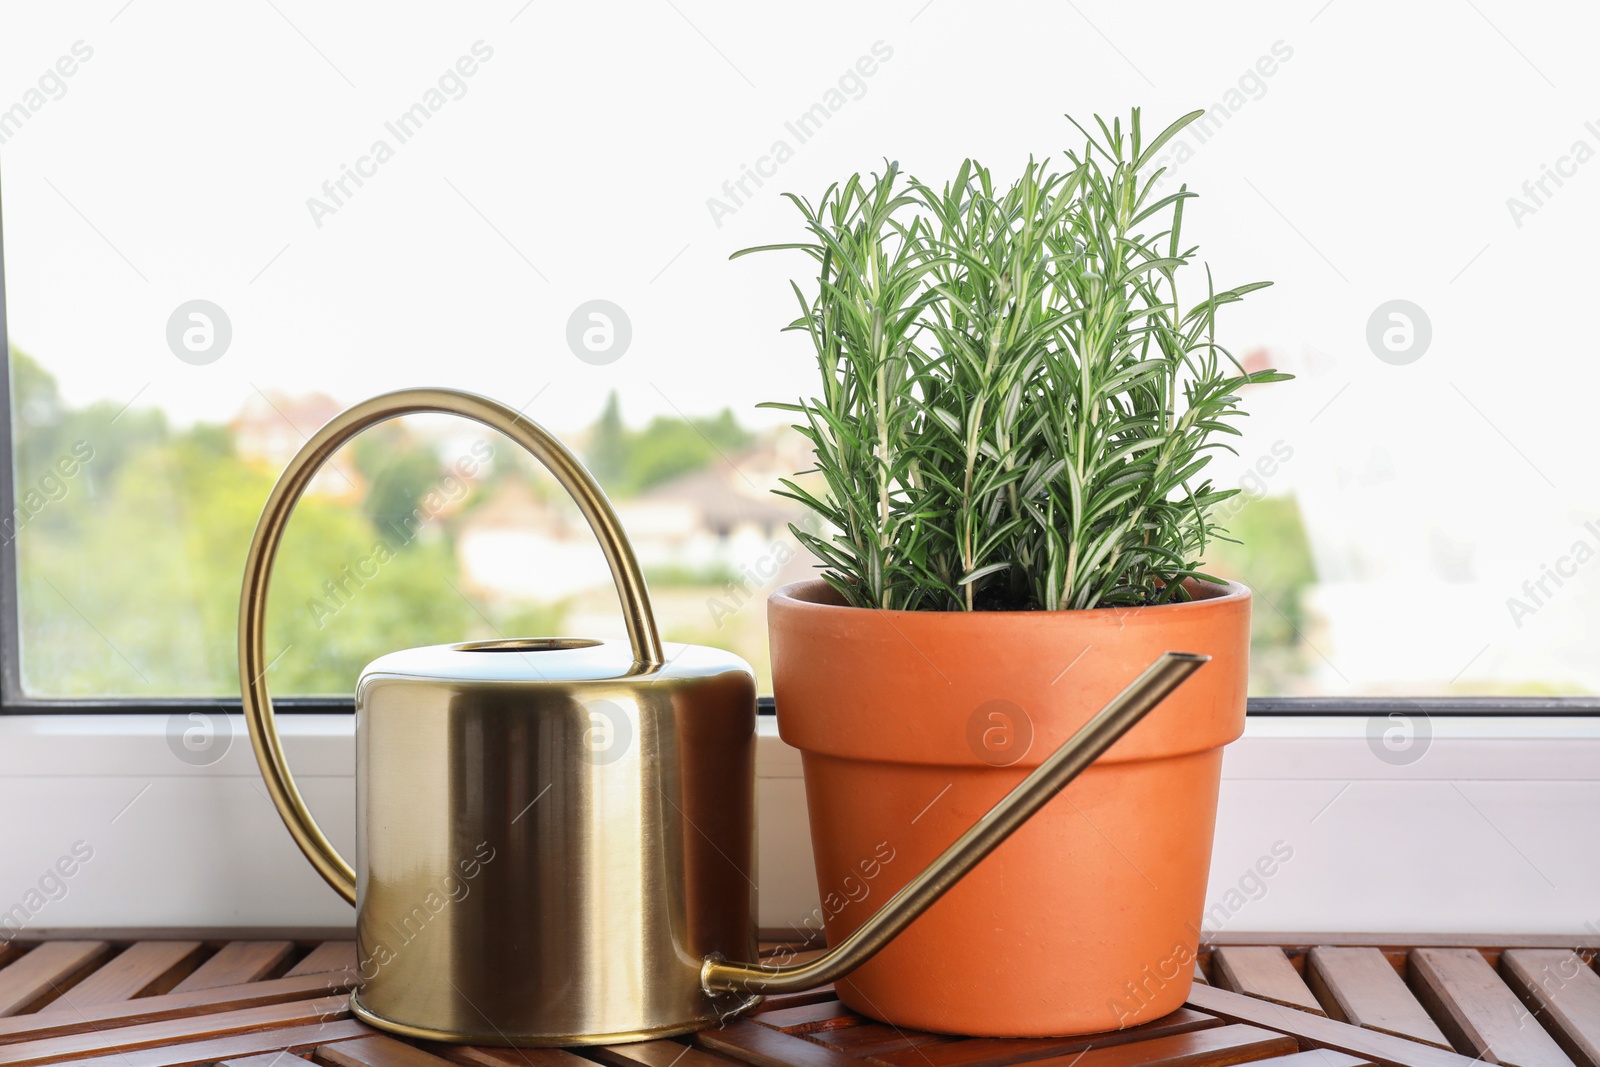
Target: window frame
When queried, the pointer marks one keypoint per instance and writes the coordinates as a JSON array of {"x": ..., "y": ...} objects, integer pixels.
[{"x": 15, "y": 701}]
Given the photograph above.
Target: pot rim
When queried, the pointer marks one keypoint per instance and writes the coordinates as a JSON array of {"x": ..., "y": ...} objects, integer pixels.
[{"x": 1226, "y": 592}]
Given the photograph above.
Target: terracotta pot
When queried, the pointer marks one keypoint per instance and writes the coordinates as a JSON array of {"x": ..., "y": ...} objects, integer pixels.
[{"x": 911, "y": 724}]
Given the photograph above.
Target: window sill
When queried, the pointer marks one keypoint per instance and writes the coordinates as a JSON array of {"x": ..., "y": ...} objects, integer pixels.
[{"x": 1476, "y": 835}]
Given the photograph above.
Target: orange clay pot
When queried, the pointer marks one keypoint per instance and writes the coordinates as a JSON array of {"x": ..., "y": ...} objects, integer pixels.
[{"x": 912, "y": 724}]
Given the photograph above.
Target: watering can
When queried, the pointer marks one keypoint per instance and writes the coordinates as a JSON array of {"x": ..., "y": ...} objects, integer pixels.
[{"x": 555, "y": 837}]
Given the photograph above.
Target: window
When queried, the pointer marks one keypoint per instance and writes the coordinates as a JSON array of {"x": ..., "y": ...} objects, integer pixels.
[{"x": 212, "y": 243}]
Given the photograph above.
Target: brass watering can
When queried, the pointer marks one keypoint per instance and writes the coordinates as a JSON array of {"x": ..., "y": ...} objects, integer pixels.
[{"x": 555, "y": 836}]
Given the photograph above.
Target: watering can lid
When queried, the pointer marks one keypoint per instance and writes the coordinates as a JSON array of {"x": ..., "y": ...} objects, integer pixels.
[{"x": 549, "y": 659}]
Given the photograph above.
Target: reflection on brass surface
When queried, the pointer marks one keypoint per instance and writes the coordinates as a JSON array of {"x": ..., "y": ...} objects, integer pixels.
[{"x": 556, "y": 836}]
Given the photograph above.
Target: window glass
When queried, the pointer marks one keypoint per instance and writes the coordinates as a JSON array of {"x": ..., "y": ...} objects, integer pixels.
[{"x": 223, "y": 223}]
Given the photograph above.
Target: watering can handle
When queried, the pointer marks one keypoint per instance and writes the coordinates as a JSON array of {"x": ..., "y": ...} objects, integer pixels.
[{"x": 253, "y": 663}]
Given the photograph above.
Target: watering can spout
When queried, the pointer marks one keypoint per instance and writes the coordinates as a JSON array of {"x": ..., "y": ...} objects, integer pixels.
[{"x": 968, "y": 850}]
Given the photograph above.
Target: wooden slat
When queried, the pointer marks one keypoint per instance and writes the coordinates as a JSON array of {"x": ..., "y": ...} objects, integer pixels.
[
  {"x": 328, "y": 956},
  {"x": 765, "y": 1047},
  {"x": 1358, "y": 985},
  {"x": 879, "y": 1039},
  {"x": 38, "y": 977},
  {"x": 792, "y": 953},
  {"x": 167, "y": 1031},
  {"x": 126, "y": 935},
  {"x": 173, "y": 1006},
  {"x": 237, "y": 962},
  {"x": 654, "y": 1054},
  {"x": 768, "y": 945},
  {"x": 1562, "y": 993},
  {"x": 1262, "y": 971},
  {"x": 1317, "y": 1030},
  {"x": 376, "y": 1051},
  {"x": 1478, "y": 1012},
  {"x": 216, "y": 1049},
  {"x": 481, "y": 1056},
  {"x": 809, "y": 1018},
  {"x": 1217, "y": 1047},
  {"x": 790, "y": 1000},
  {"x": 141, "y": 969},
  {"x": 1318, "y": 1057},
  {"x": 1298, "y": 940},
  {"x": 998, "y": 1052},
  {"x": 129, "y": 1021}
]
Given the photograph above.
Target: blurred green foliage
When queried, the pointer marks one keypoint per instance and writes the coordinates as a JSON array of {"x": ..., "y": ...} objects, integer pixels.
[
  {"x": 628, "y": 462},
  {"x": 131, "y": 537},
  {"x": 1274, "y": 560},
  {"x": 129, "y": 573}
]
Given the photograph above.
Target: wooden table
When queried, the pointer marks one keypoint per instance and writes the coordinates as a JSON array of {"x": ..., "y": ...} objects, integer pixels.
[{"x": 167, "y": 999}]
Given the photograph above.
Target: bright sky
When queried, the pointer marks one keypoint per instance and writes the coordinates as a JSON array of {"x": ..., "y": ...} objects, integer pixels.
[{"x": 1364, "y": 153}]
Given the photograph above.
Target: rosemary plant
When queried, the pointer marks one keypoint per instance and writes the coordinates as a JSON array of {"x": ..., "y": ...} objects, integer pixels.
[{"x": 1016, "y": 409}]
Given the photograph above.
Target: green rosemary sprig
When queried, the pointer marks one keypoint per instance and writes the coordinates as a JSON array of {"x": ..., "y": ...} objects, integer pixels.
[{"x": 1016, "y": 410}]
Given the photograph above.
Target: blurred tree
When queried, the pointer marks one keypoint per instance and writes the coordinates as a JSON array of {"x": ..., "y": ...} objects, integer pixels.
[
  {"x": 671, "y": 446},
  {"x": 44, "y": 430},
  {"x": 129, "y": 567},
  {"x": 608, "y": 444},
  {"x": 1275, "y": 561},
  {"x": 143, "y": 596},
  {"x": 129, "y": 572},
  {"x": 627, "y": 462},
  {"x": 398, "y": 472}
]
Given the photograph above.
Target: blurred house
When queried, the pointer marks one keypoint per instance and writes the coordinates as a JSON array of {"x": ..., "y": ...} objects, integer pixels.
[
  {"x": 271, "y": 427},
  {"x": 714, "y": 521},
  {"x": 713, "y": 518},
  {"x": 519, "y": 547}
]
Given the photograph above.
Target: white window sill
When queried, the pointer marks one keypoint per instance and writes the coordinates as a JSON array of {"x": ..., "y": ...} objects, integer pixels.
[{"x": 1480, "y": 835}]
